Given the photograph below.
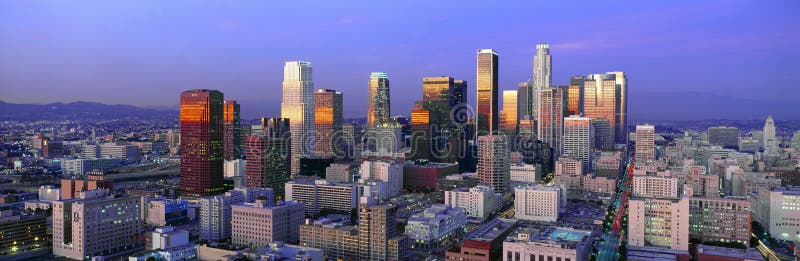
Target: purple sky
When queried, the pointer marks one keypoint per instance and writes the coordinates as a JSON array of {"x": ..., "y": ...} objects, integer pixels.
[{"x": 146, "y": 52}]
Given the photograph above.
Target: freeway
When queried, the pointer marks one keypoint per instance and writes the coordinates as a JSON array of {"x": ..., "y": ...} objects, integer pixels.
[{"x": 608, "y": 249}]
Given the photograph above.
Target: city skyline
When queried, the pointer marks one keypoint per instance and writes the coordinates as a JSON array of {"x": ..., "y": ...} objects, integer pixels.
[
  {"x": 525, "y": 167},
  {"x": 246, "y": 66}
]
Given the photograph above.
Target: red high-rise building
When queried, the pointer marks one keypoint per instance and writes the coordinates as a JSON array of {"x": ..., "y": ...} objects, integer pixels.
[
  {"x": 268, "y": 156},
  {"x": 201, "y": 142}
]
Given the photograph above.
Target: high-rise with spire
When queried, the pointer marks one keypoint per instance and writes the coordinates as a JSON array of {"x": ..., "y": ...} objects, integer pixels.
[
  {"x": 770, "y": 141},
  {"x": 298, "y": 107},
  {"x": 486, "y": 84},
  {"x": 541, "y": 73},
  {"x": 378, "y": 104}
]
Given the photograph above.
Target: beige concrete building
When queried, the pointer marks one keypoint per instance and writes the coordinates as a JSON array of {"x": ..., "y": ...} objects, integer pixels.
[
  {"x": 645, "y": 143},
  {"x": 538, "y": 203},
  {"x": 661, "y": 222},
  {"x": 260, "y": 223},
  {"x": 494, "y": 165},
  {"x": 87, "y": 227},
  {"x": 321, "y": 194},
  {"x": 654, "y": 186}
]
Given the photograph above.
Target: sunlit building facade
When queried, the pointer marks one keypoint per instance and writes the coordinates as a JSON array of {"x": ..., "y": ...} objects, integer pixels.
[
  {"x": 298, "y": 107},
  {"x": 487, "y": 86},
  {"x": 232, "y": 130},
  {"x": 378, "y": 104},
  {"x": 509, "y": 116},
  {"x": 550, "y": 118},
  {"x": 201, "y": 119},
  {"x": 421, "y": 134},
  {"x": 605, "y": 97},
  {"x": 328, "y": 106},
  {"x": 574, "y": 96}
]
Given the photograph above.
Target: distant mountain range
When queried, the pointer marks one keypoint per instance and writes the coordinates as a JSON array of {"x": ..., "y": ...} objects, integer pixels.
[
  {"x": 80, "y": 111},
  {"x": 699, "y": 106},
  {"x": 641, "y": 107}
]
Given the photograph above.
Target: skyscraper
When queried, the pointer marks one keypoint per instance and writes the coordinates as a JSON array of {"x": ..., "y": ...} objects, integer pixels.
[
  {"x": 574, "y": 99},
  {"x": 268, "y": 156},
  {"x": 509, "y": 119},
  {"x": 444, "y": 98},
  {"x": 494, "y": 165},
  {"x": 770, "y": 142},
  {"x": 579, "y": 140},
  {"x": 459, "y": 97},
  {"x": 487, "y": 82},
  {"x": 645, "y": 143},
  {"x": 621, "y": 131},
  {"x": 604, "y": 98},
  {"x": 603, "y": 139},
  {"x": 526, "y": 97},
  {"x": 232, "y": 130},
  {"x": 542, "y": 66},
  {"x": 298, "y": 107},
  {"x": 550, "y": 118},
  {"x": 378, "y": 104},
  {"x": 201, "y": 142},
  {"x": 421, "y": 134},
  {"x": 328, "y": 106},
  {"x": 437, "y": 98},
  {"x": 541, "y": 73}
]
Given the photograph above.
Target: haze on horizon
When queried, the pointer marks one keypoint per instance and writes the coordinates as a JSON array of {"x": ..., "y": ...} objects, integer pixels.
[{"x": 146, "y": 52}]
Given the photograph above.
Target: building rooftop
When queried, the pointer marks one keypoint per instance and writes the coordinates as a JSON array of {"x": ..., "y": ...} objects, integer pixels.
[
  {"x": 793, "y": 190},
  {"x": 655, "y": 253},
  {"x": 435, "y": 213},
  {"x": 566, "y": 237},
  {"x": 750, "y": 254},
  {"x": 429, "y": 165},
  {"x": 491, "y": 230}
]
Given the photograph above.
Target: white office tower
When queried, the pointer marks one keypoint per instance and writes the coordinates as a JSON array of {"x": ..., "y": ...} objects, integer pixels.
[
  {"x": 659, "y": 222},
  {"x": 645, "y": 143},
  {"x": 579, "y": 140},
  {"x": 234, "y": 168},
  {"x": 525, "y": 173},
  {"x": 261, "y": 223},
  {"x": 538, "y": 203},
  {"x": 215, "y": 218},
  {"x": 478, "y": 201},
  {"x": 94, "y": 226},
  {"x": 777, "y": 211},
  {"x": 298, "y": 107},
  {"x": 494, "y": 165},
  {"x": 770, "y": 141},
  {"x": 655, "y": 186},
  {"x": 541, "y": 73},
  {"x": 389, "y": 172}
]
